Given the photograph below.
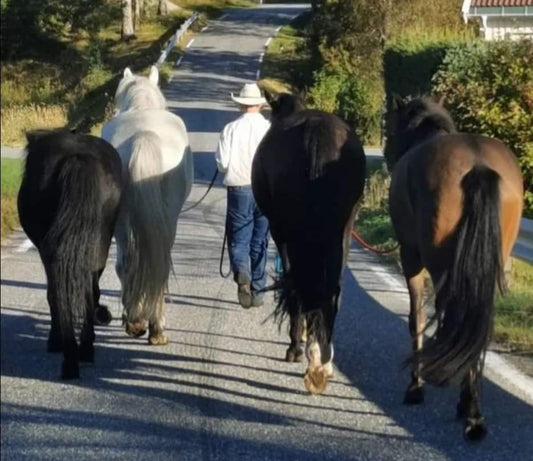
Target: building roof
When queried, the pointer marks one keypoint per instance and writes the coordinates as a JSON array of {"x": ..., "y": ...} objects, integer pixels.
[{"x": 497, "y": 3}]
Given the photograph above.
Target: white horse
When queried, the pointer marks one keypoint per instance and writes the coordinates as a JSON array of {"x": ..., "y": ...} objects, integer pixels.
[{"x": 157, "y": 165}]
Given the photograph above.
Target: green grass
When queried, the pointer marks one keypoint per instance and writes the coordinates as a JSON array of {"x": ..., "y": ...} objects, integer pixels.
[
  {"x": 289, "y": 63},
  {"x": 373, "y": 222},
  {"x": 513, "y": 322},
  {"x": 11, "y": 170},
  {"x": 77, "y": 87}
]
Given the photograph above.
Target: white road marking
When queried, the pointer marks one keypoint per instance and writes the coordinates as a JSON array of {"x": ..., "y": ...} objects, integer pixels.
[
  {"x": 222, "y": 17},
  {"x": 258, "y": 74},
  {"x": 261, "y": 56},
  {"x": 24, "y": 246},
  {"x": 510, "y": 373},
  {"x": 178, "y": 62},
  {"x": 278, "y": 29},
  {"x": 268, "y": 42},
  {"x": 190, "y": 43},
  {"x": 204, "y": 29}
]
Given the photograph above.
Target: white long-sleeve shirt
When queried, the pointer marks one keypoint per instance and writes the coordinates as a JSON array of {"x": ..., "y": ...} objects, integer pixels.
[{"x": 237, "y": 145}]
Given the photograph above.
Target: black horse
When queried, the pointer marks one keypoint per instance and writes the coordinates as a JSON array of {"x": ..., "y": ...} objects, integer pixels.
[
  {"x": 307, "y": 177},
  {"x": 68, "y": 203},
  {"x": 455, "y": 203}
]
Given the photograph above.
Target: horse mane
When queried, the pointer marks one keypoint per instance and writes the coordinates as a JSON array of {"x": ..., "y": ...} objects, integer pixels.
[{"x": 138, "y": 93}]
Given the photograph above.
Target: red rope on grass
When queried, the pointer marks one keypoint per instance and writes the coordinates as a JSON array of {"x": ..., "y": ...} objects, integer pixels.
[{"x": 357, "y": 237}]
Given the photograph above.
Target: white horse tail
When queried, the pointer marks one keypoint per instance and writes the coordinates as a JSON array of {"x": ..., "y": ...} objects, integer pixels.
[{"x": 150, "y": 240}]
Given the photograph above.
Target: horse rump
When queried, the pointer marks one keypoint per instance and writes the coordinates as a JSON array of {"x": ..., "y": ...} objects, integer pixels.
[{"x": 465, "y": 302}]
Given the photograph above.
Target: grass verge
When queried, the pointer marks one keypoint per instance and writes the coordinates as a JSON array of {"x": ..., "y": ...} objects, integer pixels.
[
  {"x": 289, "y": 63},
  {"x": 513, "y": 321},
  {"x": 11, "y": 171},
  {"x": 75, "y": 88}
]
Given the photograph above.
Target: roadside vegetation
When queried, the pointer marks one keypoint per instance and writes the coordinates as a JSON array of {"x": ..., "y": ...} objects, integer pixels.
[
  {"x": 289, "y": 63},
  {"x": 60, "y": 67},
  {"x": 11, "y": 176},
  {"x": 513, "y": 324},
  {"x": 61, "y": 64}
]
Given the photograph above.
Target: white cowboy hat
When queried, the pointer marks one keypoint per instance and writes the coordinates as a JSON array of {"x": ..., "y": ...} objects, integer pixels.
[{"x": 250, "y": 95}]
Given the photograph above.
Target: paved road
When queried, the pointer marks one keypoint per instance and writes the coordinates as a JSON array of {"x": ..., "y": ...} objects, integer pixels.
[{"x": 219, "y": 390}]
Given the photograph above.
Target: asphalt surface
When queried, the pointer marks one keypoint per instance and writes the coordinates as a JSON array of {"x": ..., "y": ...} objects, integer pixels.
[{"x": 220, "y": 390}]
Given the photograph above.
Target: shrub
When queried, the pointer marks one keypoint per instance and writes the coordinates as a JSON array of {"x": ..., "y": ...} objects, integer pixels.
[
  {"x": 356, "y": 100},
  {"x": 488, "y": 88}
]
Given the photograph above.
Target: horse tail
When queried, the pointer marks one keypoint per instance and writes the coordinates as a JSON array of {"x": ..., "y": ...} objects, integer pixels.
[
  {"x": 465, "y": 303},
  {"x": 311, "y": 287},
  {"x": 69, "y": 245},
  {"x": 149, "y": 242},
  {"x": 320, "y": 144}
]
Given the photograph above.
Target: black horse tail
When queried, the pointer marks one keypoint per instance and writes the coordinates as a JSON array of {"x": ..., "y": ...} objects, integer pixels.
[
  {"x": 465, "y": 303},
  {"x": 321, "y": 144},
  {"x": 69, "y": 244},
  {"x": 311, "y": 287}
]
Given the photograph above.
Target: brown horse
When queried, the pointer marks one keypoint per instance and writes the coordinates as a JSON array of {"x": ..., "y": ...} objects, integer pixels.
[
  {"x": 455, "y": 204},
  {"x": 307, "y": 177}
]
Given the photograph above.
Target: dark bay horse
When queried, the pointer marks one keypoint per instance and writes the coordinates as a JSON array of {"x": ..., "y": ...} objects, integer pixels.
[
  {"x": 68, "y": 203},
  {"x": 455, "y": 204},
  {"x": 307, "y": 177}
]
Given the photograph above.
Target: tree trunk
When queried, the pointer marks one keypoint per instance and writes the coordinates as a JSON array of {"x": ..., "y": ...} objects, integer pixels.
[
  {"x": 162, "y": 8},
  {"x": 128, "y": 30},
  {"x": 138, "y": 12}
]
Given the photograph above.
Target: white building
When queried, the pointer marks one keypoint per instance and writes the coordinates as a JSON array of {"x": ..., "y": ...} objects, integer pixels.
[{"x": 501, "y": 19}]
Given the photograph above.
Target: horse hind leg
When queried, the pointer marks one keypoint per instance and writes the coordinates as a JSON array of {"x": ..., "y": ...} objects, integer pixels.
[
  {"x": 297, "y": 333},
  {"x": 96, "y": 314},
  {"x": 320, "y": 348},
  {"x": 319, "y": 368},
  {"x": 417, "y": 319},
  {"x": 55, "y": 342},
  {"x": 101, "y": 316},
  {"x": 468, "y": 407},
  {"x": 156, "y": 325}
]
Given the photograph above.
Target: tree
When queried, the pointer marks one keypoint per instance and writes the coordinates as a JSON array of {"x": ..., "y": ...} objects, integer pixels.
[
  {"x": 128, "y": 30},
  {"x": 162, "y": 7},
  {"x": 139, "y": 7}
]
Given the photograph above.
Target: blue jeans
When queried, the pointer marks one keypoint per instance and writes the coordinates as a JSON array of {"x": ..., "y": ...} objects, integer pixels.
[{"x": 248, "y": 234}]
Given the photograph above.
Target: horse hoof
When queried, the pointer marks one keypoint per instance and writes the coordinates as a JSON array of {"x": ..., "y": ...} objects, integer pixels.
[
  {"x": 294, "y": 355},
  {"x": 87, "y": 354},
  {"x": 316, "y": 380},
  {"x": 71, "y": 371},
  {"x": 102, "y": 316},
  {"x": 158, "y": 340},
  {"x": 136, "y": 329},
  {"x": 475, "y": 430},
  {"x": 414, "y": 396}
]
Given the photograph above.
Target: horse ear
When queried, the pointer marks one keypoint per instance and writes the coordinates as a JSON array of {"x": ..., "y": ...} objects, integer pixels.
[
  {"x": 154, "y": 75},
  {"x": 270, "y": 97},
  {"x": 397, "y": 101},
  {"x": 128, "y": 73}
]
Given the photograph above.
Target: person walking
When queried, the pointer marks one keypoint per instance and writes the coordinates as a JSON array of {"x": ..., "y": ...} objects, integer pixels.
[{"x": 247, "y": 228}]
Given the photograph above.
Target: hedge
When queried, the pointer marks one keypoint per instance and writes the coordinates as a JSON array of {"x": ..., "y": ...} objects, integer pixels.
[{"x": 488, "y": 89}]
